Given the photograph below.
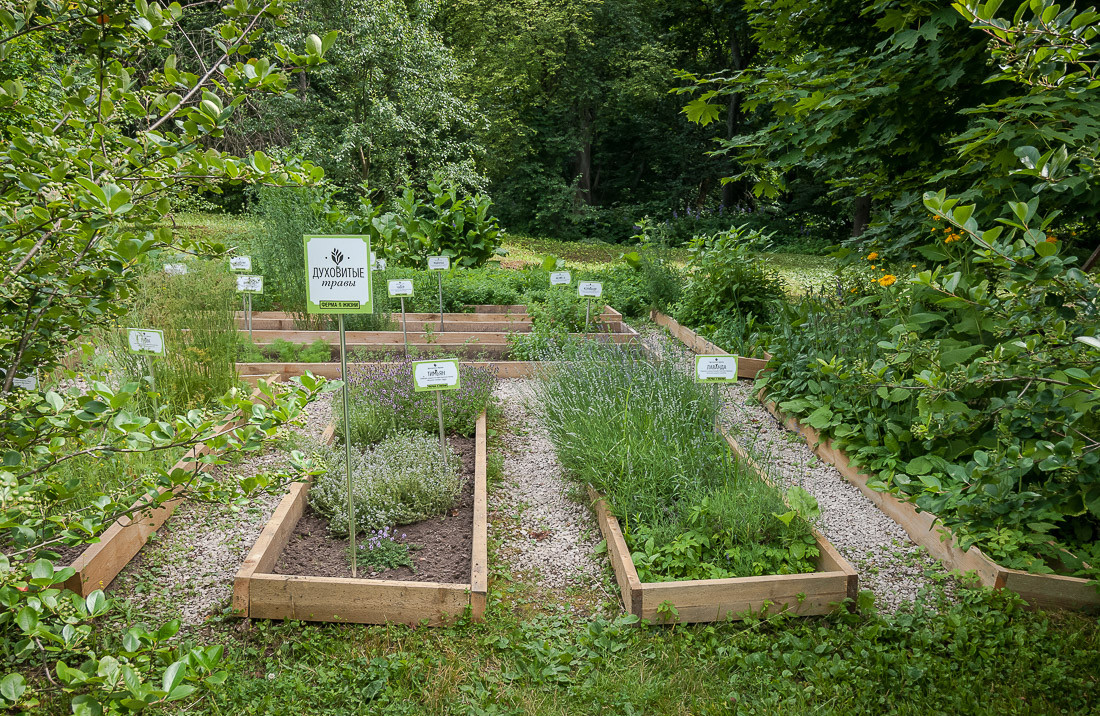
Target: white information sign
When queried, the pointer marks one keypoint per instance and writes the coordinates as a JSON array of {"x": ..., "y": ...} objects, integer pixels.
[
  {"x": 399, "y": 288},
  {"x": 27, "y": 382},
  {"x": 175, "y": 269},
  {"x": 560, "y": 278},
  {"x": 435, "y": 375},
  {"x": 146, "y": 341},
  {"x": 240, "y": 263},
  {"x": 439, "y": 263},
  {"x": 250, "y": 284},
  {"x": 380, "y": 264},
  {"x": 590, "y": 289},
  {"x": 338, "y": 275},
  {"x": 716, "y": 369}
]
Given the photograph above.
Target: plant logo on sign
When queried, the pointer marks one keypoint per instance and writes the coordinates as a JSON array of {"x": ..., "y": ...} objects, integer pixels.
[{"x": 337, "y": 256}]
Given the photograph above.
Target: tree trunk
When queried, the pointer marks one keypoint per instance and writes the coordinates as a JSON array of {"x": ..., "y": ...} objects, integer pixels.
[
  {"x": 861, "y": 215},
  {"x": 733, "y": 114},
  {"x": 1090, "y": 262},
  {"x": 582, "y": 164}
]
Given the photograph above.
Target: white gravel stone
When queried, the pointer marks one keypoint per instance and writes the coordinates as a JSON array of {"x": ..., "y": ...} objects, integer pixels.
[
  {"x": 552, "y": 539},
  {"x": 889, "y": 563}
]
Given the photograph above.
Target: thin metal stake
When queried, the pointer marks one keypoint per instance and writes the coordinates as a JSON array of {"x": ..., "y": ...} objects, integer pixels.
[
  {"x": 717, "y": 427},
  {"x": 249, "y": 299},
  {"x": 405, "y": 327},
  {"x": 587, "y": 313},
  {"x": 440, "y": 301},
  {"x": 442, "y": 440},
  {"x": 347, "y": 444}
]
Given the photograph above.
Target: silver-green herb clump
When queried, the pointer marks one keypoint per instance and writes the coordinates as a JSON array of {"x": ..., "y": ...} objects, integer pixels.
[{"x": 402, "y": 479}]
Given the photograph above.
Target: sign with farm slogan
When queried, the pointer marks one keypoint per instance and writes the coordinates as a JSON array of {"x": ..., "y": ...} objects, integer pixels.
[
  {"x": 560, "y": 278},
  {"x": 250, "y": 284},
  {"x": 338, "y": 274},
  {"x": 716, "y": 369},
  {"x": 146, "y": 341},
  {"x": 432, "y": 375},
  {"x": 239, "y": 264}
]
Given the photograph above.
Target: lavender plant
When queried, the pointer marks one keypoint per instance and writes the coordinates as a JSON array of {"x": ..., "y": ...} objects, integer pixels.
[
  {"x": 383, "y": 400},
  {"x": 403, "y": 479},
  {"x": 381, "y": 550}
]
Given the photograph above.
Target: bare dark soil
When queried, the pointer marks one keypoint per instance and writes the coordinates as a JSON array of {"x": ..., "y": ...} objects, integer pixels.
[{"x": 440, "y": 547}]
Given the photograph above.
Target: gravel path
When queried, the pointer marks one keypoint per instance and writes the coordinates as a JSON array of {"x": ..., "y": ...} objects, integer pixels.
[
  {"x": 889, "y": 563},
  {"x": 186, "y": 570},
  {"x": 544, "y": 535}
]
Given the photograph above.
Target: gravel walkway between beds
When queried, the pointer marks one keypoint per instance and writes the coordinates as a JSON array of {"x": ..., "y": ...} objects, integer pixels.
[
  {"x": 186, "y": 570},
  {"x": 552, "y": 539},
  {"x": 888, "y": 562}
]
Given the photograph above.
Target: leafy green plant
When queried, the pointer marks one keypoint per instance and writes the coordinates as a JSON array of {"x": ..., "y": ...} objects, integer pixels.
[{"x": 381, "y": 550}]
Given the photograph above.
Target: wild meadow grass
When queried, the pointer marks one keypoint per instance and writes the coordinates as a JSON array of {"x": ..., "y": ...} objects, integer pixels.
[{"x": 642, "y": 434}]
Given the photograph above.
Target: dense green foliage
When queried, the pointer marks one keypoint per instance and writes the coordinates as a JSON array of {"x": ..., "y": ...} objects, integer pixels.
[{"x": 642, "y": 434}]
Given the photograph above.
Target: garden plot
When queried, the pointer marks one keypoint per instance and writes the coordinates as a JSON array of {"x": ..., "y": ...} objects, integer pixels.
[
  {"x": 490, "y": 333},
  {"x": 890, "y": 564},
  {"x": 693, "y": 534},
  {"x": 420, "y": 514}
]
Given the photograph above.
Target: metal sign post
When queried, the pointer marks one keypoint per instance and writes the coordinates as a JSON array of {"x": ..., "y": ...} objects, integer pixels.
[
  {"x": 148, "y": 343},
  {"x": 589, "y": 290},
  {"x": 398, "y": 288},
  {"x": 248, "y": 285},
  {"x": 437, "y": 376},
  {"x": 440, "y": 264},
  {"x": 338, "y": 281},
  {"x": 716, "y": 370}
]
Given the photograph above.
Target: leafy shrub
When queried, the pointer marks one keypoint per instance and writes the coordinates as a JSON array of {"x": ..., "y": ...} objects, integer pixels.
[
  {"x": 642, "y": 434},
  {"x": 726, "y": 280},
  {"x": 971, "y": 390},
  {"x": 382, "y": 400},
  {"x": 196, "y": 311},
  {"x": 400, "y": 480},
  {"x": 446, "y": 224}
]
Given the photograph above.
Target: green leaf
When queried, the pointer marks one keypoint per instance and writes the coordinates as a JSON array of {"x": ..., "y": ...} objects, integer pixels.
[
  {"x": 702, "y": 112},
  {"x": 958, "y": 355},
  {"x": 12, "y": 687}
]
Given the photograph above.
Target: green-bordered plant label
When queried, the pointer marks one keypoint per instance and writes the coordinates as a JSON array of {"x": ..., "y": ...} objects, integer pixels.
[
  {"x": 146, "y": 341},
  {"x": 240, "y": 264},
  {"x": 400, "y": 288},
  {"x": 248, "y": 283},
  {"x": 439, "y": 263},
  {"x": 560, "y": 278},
  {"x": 175, "y": 269},
  {"x": 430, "y": 375},
  {"x": 338, "y": 274},
  {"x": 716, "y": 369},
  {"x": 378, "y": 265},
  {"x": 590, "y": 289}
]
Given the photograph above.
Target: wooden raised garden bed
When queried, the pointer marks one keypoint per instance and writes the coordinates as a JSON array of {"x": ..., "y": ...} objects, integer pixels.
[
  {"x": 259, "y": 593},
  {"x": 746, "y": 367},
  {"x": 99, "y": 564},
  {"x": 252, "y": 371},
  {"x": 924, "y": 528},
  {"x": 711, "y": 600}
]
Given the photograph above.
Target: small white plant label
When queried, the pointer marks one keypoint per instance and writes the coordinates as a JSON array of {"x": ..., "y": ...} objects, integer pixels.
[
  {"x": 380, "y": 264},
  {"x": 560, "y": 278},
  {"x": 338, "y": 275},
  {"x": 590, "y": 289},
  {"x": 240, "y": 263},
  {"x": 399, "y": 288},
  {"x": 250, "y": 284},
  {"x": 716, "y": 369},
  {"x": 429, "y": 375},
  {"x": 146, "y": 341},
  {"x": 175, "y": 269},
  {"x": 439, "y": 263},
  {"x": 27, "y": 382}
]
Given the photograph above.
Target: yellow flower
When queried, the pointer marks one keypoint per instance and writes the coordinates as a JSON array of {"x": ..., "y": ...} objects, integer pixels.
[
  {"x": 951, "y": 237},
  {"x": 936, "y": 218},
  {"x": 912, "y": 265},
  {"x": 873, "y": 266},
  {"x": 887, "y": 280},
  {"x": 1051, "y": 239},
  {"x": 872, "y": 256}
]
